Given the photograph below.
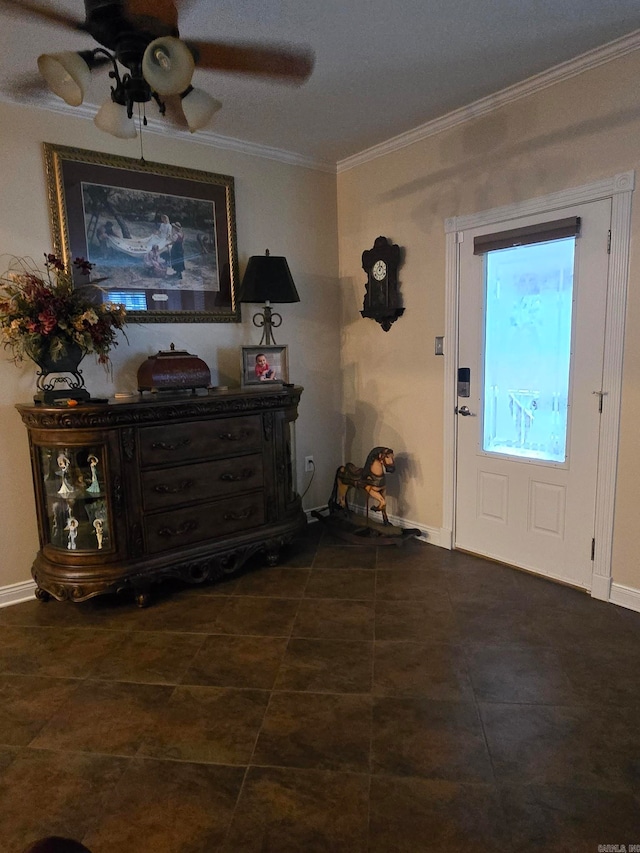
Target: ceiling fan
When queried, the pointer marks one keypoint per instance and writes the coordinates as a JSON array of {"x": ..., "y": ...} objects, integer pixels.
[{"x": 142, "y": 37}]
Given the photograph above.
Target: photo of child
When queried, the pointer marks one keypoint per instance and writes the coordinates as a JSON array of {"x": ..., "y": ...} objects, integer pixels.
[
  {"x": 264, "y": 365},
  {"x": 263, "y": 371}
]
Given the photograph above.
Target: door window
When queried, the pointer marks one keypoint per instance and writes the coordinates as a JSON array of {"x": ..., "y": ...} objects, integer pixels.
[{"x": 527, "y": 352}]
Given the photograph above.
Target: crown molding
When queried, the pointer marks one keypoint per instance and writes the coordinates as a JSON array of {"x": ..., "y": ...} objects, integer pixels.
[
  {"x": 203, "y": 137},
  {"x": 564, "y": 71},
  {"x": 254, "y": 149},
  {"x": 623, "y": 182},
  {"x": 585, "y": 62}
]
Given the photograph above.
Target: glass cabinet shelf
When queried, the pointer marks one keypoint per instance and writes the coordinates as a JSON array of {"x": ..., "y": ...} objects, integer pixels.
[{"x": 76, "y": 506}]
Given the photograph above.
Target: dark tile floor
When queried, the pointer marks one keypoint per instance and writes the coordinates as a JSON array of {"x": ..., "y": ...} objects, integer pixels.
[{"x": 353, "y": 699}]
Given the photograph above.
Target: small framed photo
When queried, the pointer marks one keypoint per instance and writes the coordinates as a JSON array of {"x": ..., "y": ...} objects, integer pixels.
[{"x": 264, "y": 365}]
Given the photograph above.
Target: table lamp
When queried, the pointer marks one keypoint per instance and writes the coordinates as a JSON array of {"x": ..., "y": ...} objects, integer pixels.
[{"x": 268, "y": 279}]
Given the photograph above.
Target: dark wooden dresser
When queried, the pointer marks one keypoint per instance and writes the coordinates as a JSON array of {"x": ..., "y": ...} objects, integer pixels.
[{"x": 131, "y": 492}]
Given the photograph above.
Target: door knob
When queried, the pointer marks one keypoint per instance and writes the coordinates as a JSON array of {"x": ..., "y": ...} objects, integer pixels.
[{"x": 464, "y": 411}]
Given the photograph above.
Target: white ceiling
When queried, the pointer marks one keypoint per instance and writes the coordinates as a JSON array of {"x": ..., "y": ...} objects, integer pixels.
[{"x": 383, "y": 67}]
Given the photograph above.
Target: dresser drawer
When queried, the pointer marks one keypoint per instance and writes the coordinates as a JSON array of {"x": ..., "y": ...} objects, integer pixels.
[
  {"x": 203, "y": 481},
  {"x": 202, "y": 523},
  {"x": 177, "y": 443}
]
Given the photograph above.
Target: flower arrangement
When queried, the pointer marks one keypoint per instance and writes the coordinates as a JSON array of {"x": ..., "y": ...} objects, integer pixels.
[{"x": 43, "y": 315}]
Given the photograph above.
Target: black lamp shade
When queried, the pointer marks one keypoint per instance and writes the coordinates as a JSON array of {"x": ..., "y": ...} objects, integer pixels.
[{"x": 268, "y": 279}]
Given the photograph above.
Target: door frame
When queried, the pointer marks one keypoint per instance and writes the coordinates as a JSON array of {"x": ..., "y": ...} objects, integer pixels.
[{"x": 619, "y": 189}]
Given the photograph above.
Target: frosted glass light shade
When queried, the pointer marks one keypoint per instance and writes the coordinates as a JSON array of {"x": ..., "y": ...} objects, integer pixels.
[
  {"x": 113, "y": 119},
  {"x": 198, "y": 108},
  {"x": 167, "y": 65},
  {"x": 66, "y": 74}
]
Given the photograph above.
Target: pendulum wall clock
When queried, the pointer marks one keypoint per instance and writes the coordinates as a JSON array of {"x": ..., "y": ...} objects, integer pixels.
[{"x": 382, "y": 299}]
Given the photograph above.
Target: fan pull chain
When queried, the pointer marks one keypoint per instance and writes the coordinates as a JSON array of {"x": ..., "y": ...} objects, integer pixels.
[{"x": 141, "y": 120}]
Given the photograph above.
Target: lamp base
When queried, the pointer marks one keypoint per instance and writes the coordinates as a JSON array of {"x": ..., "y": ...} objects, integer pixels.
[{"x": 267, "y": 320}]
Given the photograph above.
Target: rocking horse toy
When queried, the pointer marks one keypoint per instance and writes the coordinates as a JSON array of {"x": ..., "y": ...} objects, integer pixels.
[{"x": 371, "y": 479}]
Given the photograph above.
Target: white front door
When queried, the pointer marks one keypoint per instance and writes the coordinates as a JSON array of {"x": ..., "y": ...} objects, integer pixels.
[{"x": 531, "y": 334}]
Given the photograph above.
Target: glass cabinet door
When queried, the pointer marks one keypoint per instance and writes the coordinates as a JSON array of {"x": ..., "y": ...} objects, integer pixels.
[{"x": 76, "y": 510}]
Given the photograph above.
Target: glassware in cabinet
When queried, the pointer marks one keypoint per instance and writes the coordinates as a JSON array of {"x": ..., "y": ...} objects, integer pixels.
[{"x": 75, "y": 496}]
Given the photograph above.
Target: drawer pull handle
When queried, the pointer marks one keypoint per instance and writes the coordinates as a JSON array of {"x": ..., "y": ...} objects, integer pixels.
[
  {"x": 164, "y": 445},
  {"x": 185, "y": 527},
  {"x": 230, "y": 436},
  {"x": 239, "y": 516},
  {"x": 236, "y": 478},
  {"x": 163, "y": 489}
]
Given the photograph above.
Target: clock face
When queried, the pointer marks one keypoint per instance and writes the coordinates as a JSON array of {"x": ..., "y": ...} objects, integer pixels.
[{"x": 379, "y": 270}]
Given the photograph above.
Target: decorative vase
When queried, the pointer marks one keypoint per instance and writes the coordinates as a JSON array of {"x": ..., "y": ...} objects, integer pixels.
[{"x": 60, "y": 378}]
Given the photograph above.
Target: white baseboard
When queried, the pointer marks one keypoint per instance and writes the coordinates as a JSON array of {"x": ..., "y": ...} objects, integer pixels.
[
  {"x": 600, "y": 587},
  {"x": 432, "y": 535},
  {"x": 625, "y": 596},
  {"x": 446, "y": 538},
  {"x": 310, "y": 518},
  {"x": 16, "y": 592}
]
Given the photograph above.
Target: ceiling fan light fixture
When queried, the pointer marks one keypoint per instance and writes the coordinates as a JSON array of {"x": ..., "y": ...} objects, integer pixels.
[
  {"x": 67, "y": 75},
  {"x": 198, "y": 108},
  {"x": 168, "y": 65},
  {"x": 112, "y": 118}
]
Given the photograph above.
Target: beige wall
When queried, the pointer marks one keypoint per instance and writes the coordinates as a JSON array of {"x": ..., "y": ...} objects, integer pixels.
[
  {"x": 391, "y": 389},
  {"x": 290, "y": 210},
  {"x": 570, "y": 134}
]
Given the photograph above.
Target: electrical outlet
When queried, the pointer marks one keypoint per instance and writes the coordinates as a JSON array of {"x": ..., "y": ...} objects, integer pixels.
[{"x": 309, "y": 464}]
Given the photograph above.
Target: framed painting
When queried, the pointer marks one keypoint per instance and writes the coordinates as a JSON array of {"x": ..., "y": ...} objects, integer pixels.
[
  {"x": 264, "y": 365},
  {"x": 162, "y": 238}
]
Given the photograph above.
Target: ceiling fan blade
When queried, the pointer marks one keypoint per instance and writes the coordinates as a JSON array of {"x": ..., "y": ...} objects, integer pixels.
[
  {"x": 32, "y": 87},
  {"x": 95, "y": 60},
  {"x": 27, "y": 87},
  {"x": 174, "y": 112},
  {"x": 158, "y": 10},
  {"x": 44, "y": 12},
  {"x": 280, "y": 61}
]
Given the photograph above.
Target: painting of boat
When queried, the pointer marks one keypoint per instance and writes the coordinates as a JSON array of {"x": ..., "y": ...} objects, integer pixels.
[
  {"x": 158, "y": 252},
  {"x": 137, "y": 247}
]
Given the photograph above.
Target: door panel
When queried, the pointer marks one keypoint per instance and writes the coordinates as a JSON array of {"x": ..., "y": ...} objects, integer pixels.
[{"x": 531, "y": 330}]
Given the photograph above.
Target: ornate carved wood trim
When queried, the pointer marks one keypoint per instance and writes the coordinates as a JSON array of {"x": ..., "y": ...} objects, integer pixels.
[
  {"x": 128, "y": 443},
  {"x": 144, "y": 412}
]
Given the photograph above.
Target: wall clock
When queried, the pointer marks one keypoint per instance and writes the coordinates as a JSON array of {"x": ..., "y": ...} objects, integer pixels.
[{"x": 382, "y": 300}]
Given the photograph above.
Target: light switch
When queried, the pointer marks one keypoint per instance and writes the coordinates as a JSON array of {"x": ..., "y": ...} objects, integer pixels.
[{"x": 440, "y": 345}]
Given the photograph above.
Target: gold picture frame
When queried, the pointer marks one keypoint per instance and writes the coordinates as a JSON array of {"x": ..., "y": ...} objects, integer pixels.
[{"x": 116, "y": 212}]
